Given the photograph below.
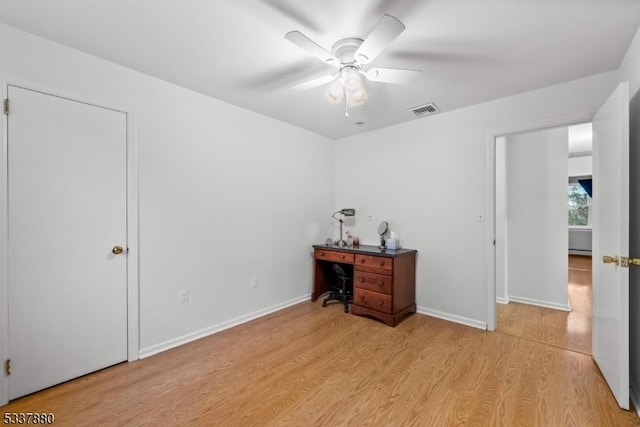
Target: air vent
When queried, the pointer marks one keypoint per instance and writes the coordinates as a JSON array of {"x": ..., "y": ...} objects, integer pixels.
[{"x": 425, "y": 110}]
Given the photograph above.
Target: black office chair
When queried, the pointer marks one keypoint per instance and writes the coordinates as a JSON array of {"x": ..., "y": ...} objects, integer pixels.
[{"x": 341, "y": 292}]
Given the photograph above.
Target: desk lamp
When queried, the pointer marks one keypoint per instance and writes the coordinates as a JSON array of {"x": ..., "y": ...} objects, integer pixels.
[
  {"x": 382, "y": 231},
  {"x": 344, "y": 212}
]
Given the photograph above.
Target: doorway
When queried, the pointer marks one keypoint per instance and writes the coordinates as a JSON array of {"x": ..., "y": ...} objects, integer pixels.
[
  {"x": 543, "y": 261},
  {"x": 69, "y": 214},
  {"x": 610, "y": 279}
]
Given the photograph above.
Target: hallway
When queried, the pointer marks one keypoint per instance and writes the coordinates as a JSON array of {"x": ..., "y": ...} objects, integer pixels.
[{"x": 568, "y": 330}]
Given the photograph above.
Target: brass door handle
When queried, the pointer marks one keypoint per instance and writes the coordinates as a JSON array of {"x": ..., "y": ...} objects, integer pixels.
[
  {"x": 621, "y": 261},
  {"x": 626, "y": 262},
  {"x": 117, "y": 250}
]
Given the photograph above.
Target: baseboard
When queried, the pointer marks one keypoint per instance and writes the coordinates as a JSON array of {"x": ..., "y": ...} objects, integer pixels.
[
  {"x": 634, "y": 394},
  {"x": 545, "y": 304},
  {"x": 501, "y": 300},
  {"x": 184, "y": 339},
  {"x": 585, "y": 252},
  {"x": 452, "y": 318}
]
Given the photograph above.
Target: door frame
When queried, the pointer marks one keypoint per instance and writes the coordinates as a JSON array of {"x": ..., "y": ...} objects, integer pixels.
[
  {"x": 492, "y": 134},
  {"x": 133, "y": 319}
]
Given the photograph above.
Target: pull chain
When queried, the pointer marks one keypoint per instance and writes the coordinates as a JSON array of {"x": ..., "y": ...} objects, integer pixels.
[{"x": 346, "y": 103}]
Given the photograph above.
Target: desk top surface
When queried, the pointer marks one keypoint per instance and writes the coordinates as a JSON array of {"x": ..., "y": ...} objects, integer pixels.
[{"x": 366, "y": 250}]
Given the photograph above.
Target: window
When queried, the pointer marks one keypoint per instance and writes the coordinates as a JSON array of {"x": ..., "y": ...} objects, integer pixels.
[{"x": 579, "y": 206}]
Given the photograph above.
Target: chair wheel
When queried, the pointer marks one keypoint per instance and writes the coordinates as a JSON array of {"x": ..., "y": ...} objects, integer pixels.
[
  {"x": 346, "y": 310},
  {"x": 324, "y": 303}
]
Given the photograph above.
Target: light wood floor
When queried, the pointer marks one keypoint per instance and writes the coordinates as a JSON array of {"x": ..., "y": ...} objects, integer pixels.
[
  {"x": 570, "y": 330},
  {"x": 309, "y": 366}
]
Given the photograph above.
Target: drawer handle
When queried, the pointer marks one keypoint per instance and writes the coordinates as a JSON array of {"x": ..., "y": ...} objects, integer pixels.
[
  {"x": 381, "y": 283},
  {"x": 343, "y": 257},
  {"x": 362, "y": 261},
  {"x": 362, "y": 279},
  {"x": 362, "y": 298},
  {"x": 380, "y": 303},
  {"x": 321, "y": 253},
  {"x": 381, "y": 263}
]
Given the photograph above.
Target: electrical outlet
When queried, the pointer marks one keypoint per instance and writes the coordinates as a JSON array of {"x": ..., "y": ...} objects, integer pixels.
[
  {"x": 184, "y": 296},
  {"x": 254, "y": 281}
]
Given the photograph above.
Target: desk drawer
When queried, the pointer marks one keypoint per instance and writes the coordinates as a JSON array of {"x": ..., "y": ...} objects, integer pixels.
[
  {"x": 373, "y": 282},
  {"x": 370, "y": 261},
  {"x": 372, "y": 300},
  {"x": 333, "y": 256}
]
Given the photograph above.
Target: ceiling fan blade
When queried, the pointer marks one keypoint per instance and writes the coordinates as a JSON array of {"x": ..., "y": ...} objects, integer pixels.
[
  {"x": 319, "y": 81},
  {"x": 385, "y": 31},
  {"x": 392, "y": 75},
  {"x": 304, "y": 42}
]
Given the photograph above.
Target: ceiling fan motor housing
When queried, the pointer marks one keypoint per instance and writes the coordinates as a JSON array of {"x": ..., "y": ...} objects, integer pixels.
[{"x": 345, "y": 49}]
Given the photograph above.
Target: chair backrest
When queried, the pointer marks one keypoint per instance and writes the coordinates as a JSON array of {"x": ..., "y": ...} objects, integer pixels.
[{"x": 339, "y": 271}]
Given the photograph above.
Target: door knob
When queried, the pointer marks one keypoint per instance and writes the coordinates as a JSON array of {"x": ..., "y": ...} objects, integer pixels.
[
  {"x": 117, "y": 250},
  {"x": 611, "y": 260}
]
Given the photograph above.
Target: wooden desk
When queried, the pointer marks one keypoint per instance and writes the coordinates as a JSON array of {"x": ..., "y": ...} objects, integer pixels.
[{"x": 384, "y": 282}]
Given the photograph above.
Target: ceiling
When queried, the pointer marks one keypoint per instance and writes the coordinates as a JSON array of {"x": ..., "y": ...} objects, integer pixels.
[{"x": 469, "y": 51}]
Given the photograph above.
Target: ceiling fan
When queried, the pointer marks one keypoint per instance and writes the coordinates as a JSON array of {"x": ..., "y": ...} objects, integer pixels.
[{"x": 351, "y": 56}]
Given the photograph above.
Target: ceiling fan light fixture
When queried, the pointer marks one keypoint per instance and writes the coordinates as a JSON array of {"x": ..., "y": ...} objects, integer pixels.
[
  {"x": 350, "y": 79},
  {"x": 335, "y": 92},
  {"x": 357, "y": 98}
]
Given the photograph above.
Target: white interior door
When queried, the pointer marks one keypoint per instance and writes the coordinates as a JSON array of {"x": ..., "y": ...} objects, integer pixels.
[
  {"x": 611, "y": 238},
  {"x": 67, "y": 290}
]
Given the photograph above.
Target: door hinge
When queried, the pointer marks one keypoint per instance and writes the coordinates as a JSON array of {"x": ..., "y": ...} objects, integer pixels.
[
  {"x": 7, "y": 367},
  {"x": 6, "y": 106}
]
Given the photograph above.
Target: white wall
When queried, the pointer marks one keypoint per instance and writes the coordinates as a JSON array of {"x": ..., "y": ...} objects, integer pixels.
[
  {"x": 580, "y": 241},
  {"x": 631, "y": 72},
  {"x": 428, "y": 177},
  {"x": 224, "y": 193},
  {"x": 537, "y": 217},
  {"x": 580, "y": 166}
]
